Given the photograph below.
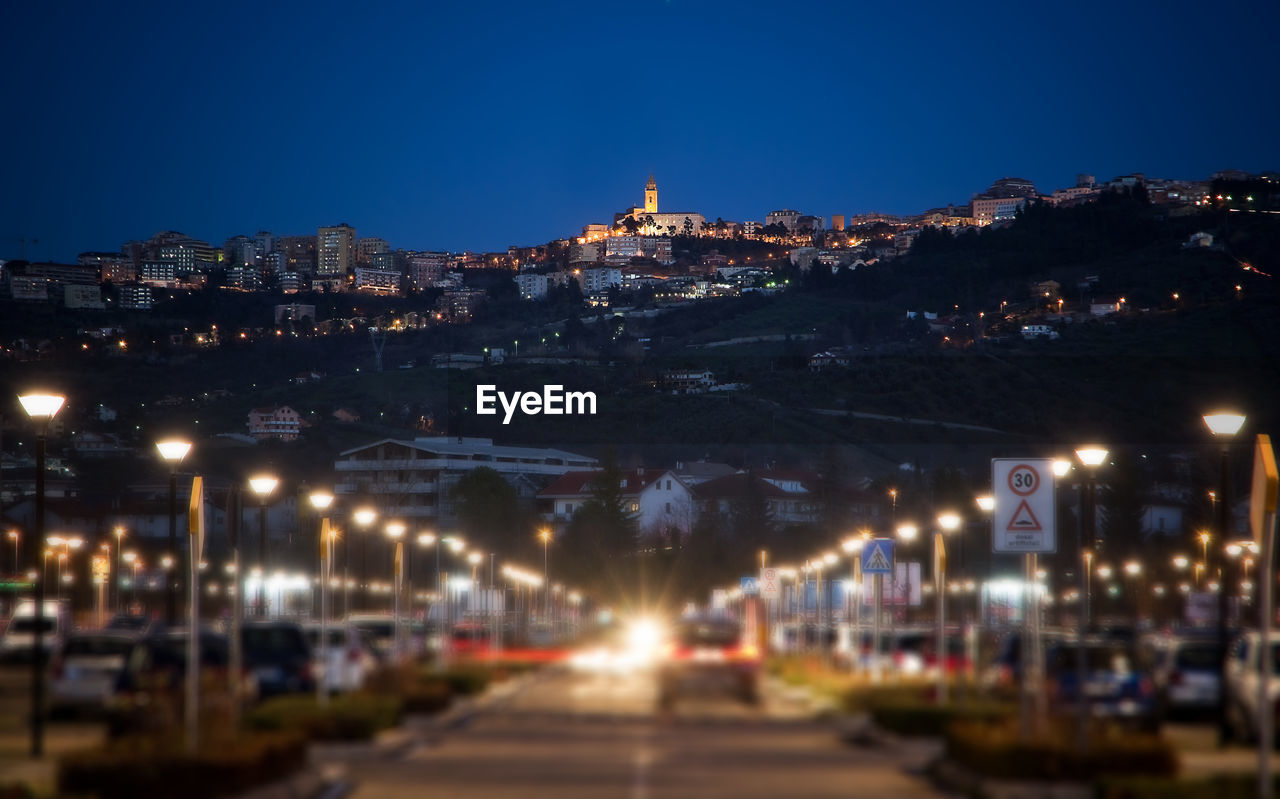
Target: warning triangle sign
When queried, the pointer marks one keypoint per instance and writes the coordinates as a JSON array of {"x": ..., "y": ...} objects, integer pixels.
[
  {"x": 877, "y": 561},
  {"x": 1024, "y": 520}
]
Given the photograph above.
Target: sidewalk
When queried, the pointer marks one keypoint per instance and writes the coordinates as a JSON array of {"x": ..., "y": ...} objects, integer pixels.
[
  {"x": 1198, "y": 749},
  {"x": 17, "y": 765}
]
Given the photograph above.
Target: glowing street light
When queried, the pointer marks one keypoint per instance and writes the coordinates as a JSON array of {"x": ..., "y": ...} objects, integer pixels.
[{"x": 41, "y": 408}]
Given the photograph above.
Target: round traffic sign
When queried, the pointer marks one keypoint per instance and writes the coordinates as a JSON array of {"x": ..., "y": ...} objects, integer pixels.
[{"x": 1024, "y": 480}]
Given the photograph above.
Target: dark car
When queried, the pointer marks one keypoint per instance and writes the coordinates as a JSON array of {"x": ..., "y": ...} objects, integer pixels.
[
  {"x": 133, "y": 623},
  {"x": 150, "y": 689},
  {"x": 278, "y": 654},
  {"x": 709, "y": 654},
  {"x": 1118, "y": 681}
]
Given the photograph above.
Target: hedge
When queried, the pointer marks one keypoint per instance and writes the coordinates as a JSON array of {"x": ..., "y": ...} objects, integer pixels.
[
  {"x": 998, "y": 750},
  {"x": 914, "y": 718},
  {"x": 1222, "y": 786},
  {"x": 139, "y": 766},
  {"x": 354, "y": 717}
]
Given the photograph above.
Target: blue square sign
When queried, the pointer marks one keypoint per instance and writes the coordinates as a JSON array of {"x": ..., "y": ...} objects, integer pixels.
[{"x": 877, "y": 556}]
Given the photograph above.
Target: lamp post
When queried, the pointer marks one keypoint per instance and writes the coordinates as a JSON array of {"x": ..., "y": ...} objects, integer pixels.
[
  {"x": 364, "y": 517},
  {"x": 907, "y": 533},
  {"x": 1224, "y": 426},
  {"x": 1133, "y": 570},
  {"x": 1091, "y": 457},
  {"x": 428, "y": 539},
  {"x": 131, "y": 558},
  {"x": 119, "y": 533},
  {"x": 321, "y": 500},
  {"x": 395, "y": 531},
  {"x": 172, "y": 451},
  {"x": 545, "y": 535},
  {"x": 854, "y": 546},
  {"x": 947, "y": 523},
  {"x": 16, "y": 538},
  {"x": 262, "y": 486},
  {"x": 41, "y": 408}
]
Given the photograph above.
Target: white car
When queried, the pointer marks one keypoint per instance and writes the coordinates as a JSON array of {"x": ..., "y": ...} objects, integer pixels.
[
  {"x": 1243, "y": 715},
  {"x": 20, "y": 634},
  {"x": 87, "y": 668},
  {"x": 346, "y": 660}
]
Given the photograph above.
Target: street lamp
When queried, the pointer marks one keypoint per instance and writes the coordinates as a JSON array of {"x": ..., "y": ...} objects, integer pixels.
[
  {"x": 853, "y": 547},
  {"x": 1223, "y": 425},
  {"x": 947, "y": 523},
  {"x": 321, "y": 500},
  {"x": 262, "y": 486},
  {"x": 119, "y": 533},
  {"x": 364, "y": 518},
  {"x": 41, "y": 408},
  {"x": 172, "y": 451},
  {"x": 395, "y": 531},
  {"x": 428, "y": 539},
  {"x": 545, "y": 535}
]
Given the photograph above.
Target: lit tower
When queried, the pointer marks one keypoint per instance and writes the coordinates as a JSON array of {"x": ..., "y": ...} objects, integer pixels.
[{"x": 651, "y": 196}]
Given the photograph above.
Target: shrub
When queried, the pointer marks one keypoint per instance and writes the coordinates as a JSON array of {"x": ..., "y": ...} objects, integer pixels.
[
  {"x": 137, "y": 766},
  {"x": 922, "y": 718},
  {"x": 464, "y": 680},
  {"x": 427, "y": 696},
  {"x": 998, "y": 750},
  {"x": 1220, "y": 786},
  {"x": 356, "y": 717}
]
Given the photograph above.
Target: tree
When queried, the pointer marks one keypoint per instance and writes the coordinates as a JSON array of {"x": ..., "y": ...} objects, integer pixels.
[{"x": 488, "y": 507}]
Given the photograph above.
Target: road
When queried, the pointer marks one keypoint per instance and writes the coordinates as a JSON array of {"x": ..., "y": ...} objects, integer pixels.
[{"x": 569, "y": 736}]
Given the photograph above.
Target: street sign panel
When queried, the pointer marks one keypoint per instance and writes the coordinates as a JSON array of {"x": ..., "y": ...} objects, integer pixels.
[
  {"x": 770, "y": 585},
  {"x": 877, "y": 556},
  {"x": 748, "y": 586},
  {"x": 1023, "y": 518},
  {"x": 1262, "y": 500}
]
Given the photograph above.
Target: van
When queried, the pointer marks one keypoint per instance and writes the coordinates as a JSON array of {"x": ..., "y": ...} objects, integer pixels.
[{"x": 54, "y": 627}]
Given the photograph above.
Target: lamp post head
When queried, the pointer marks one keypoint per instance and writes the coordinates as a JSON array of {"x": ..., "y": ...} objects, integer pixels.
[
  {"x": 1133, "y": 568},
  {"x": 907, "y": 532},
  {"x": 426, "y": 539},
  {"x": 1224, "y": 423},
  {"x": 321, "y": 500},
  {"x": 986, "y": 503},
  {"x": 852, "y": 545},
  {"x": 474, "y": 558},
  {"x": 395, "y": 529},
  {"x": 1061, "y": 467},
  {"x": 830, "y": 558},
  {"x": 41, "y": 406},
  {"x": 365, "y": 516},
  {"x": 949, "y": 522},
  {"x": 1091, "y": 456},
  {"x": 173, "y": 450},
  {"x": 263, "y": 485}
]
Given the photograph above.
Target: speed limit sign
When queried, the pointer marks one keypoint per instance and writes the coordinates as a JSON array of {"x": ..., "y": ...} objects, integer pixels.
[{"x": 1023, "y": 518}]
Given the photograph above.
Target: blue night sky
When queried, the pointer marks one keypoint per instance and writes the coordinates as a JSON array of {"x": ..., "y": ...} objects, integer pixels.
[{"x": 478, "y": 125}]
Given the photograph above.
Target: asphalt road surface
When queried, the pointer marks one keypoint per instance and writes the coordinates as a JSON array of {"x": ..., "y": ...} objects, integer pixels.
[{"x": 570, "y": 735}]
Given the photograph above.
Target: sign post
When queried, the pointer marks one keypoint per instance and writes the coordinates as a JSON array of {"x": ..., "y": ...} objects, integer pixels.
[
  {"x": 195, "y": 551},
  {"x": 877, "y": 560},
  {"x": 1023, "y": 520},
  {"x": 1262, "y": 518}
]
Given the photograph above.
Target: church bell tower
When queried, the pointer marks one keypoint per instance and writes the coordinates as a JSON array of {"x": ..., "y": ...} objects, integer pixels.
[{"x": 651, "y": 196}]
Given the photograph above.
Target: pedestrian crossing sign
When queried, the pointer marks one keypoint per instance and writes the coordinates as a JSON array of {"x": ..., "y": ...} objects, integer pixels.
[{"x": 877, "y": 556}]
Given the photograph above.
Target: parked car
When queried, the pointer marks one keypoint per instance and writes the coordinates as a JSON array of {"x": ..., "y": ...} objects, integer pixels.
[
  {"x": 87, "y": 668},
  {"x": 346, "y": 659},
  {"x": 134, "y": 622},
  {"x": 709, "y": 654},
  {"x": 1243, "y": 712},
  {"x": 470, "y": 638},
  {"x": 278, "y": 655},
  {"x": 150, "y": 690},
  {"x": 55, "y": 624},
  {"x": 1186, "y": 672},
  {"x": 1118, "y": 681}
]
